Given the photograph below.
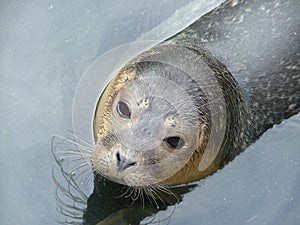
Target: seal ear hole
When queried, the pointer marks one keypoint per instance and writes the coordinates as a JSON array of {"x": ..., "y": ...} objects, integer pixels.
[
  {"x": 123, "y": 110},
  {"x": 174, "y": 142}
]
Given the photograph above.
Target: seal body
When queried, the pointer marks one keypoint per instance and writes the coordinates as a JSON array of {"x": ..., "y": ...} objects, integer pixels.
[{"x": 185, "y": 108}]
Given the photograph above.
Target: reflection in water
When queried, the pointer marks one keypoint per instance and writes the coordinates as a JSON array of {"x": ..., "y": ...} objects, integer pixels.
[{"x": 108, "y": 202}]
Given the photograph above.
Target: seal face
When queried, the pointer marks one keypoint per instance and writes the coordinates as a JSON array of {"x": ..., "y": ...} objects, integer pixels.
[
  {"x": 153, "y": 119},
  {"x": 153, "y": 127}
]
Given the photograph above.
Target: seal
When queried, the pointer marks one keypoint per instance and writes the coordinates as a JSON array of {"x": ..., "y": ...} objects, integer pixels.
[{"x": 183, "y": 109}]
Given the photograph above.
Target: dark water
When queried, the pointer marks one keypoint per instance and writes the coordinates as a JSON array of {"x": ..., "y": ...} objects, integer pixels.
[{"x": 45, "y": 46}]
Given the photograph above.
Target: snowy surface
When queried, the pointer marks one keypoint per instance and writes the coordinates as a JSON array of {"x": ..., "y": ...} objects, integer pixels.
[{"x": 45, "y": 46}]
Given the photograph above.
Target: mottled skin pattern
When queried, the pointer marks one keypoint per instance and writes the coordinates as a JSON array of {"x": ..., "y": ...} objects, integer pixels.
[
  {"x": 252, "y": 47},
  {"x": 259, "y": 43}
]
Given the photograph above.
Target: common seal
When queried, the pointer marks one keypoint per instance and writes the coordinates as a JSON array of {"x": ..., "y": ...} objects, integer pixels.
[{"x": 185, "y": 108}]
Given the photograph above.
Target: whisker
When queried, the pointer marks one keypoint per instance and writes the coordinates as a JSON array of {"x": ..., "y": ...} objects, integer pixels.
[
  {"x": 82, "y": 149},
  {"x": 135, "y": 196},
  {"x": 72, "y": 153},
  {"x": 72, "y": 161},
  {"x": 90, "y": 148},
  {"x": 72, "y": 172},
  {"x": 68, "y": 192},
  {"x": 71, "y": 182},
  {"x": 79, "y": 137},
  {"x": 62, "y": 203},
  {"x": 125, "y": 193},
  {"x": 131, "y": 190},
  {"x": 150, "y": 194},
  {"x": 77, "y": 168},
  {"x": 69, "y": 213},
  {"x": 82, "y": 178},
  {"x": 141, "y": 196},
  {"x": 89, "y": 180},
  {"x": 168, "y": 191},
  {"x": 155, "y": 193}
]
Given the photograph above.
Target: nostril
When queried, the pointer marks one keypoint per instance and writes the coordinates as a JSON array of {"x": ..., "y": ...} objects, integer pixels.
[
  {"x": 124, "y": 163},
  {"x": 132, "y": 164},
  {"x": 118, "y": 156}
]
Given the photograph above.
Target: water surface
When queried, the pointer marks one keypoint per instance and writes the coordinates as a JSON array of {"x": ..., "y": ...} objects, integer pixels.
[{"x": 45, "y": 46}]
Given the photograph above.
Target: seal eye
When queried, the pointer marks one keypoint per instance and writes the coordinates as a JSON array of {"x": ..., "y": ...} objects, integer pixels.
[
  {"x": 123, "y": 110},
  {"x": 174, "y": 142}
]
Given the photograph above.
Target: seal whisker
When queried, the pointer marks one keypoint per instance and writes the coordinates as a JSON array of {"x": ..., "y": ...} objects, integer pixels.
[
  {"x": 72, "y": 161},
  {"x": 151, "y": 195},
  {"x": 68, "y": 213},
  {"x": 142, "y": 196},
  {"x": 167, "y": 190},
  {"x": 71, "y": 206},
  {"x": 79, "y": 138},
  {"x": 73, "y": 153},
  {"x": 89, "y": 180},
  {"x": 133, "y": 195},
  {"x": 77, "y": 168},
  {"x": 69, "y": 150},
  {"x": 148, "y": 195},
  {"x": 70, "y": 180},
  {"x": 131, "y": 190},
  {"x": 87, "y": 148},
  {"x": 74, "y": 185},
  {"x": 84, "y": 171},
  {"x": 156, "y": 194},
  {"x": 136, "y": 194},
  {"x": 69, "y": 210},
  {"x": 82, "y": 148},
  {"x": 125, "y": 193}
]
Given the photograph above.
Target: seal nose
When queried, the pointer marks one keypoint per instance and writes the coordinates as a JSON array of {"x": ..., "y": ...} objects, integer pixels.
[{"x": 123, "y": 163}]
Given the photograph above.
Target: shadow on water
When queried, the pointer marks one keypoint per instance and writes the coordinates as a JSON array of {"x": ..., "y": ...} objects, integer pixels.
[
  {"x": 108, "y": 205},
  {"x": 83, "y": 198}
]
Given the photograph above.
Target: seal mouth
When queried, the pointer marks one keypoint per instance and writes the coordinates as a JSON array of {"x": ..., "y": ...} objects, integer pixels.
[{"x": 139, "y": 167}]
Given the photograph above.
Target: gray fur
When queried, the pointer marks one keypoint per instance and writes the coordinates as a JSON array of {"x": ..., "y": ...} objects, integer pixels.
[{"x": 259, "y": 43}]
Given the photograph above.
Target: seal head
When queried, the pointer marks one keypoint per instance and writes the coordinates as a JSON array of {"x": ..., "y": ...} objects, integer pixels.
[{"x": 154, "y": 118}]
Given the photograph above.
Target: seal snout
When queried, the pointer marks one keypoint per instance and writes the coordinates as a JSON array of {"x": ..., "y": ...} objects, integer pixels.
[{"x": 123, "y": 162}]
